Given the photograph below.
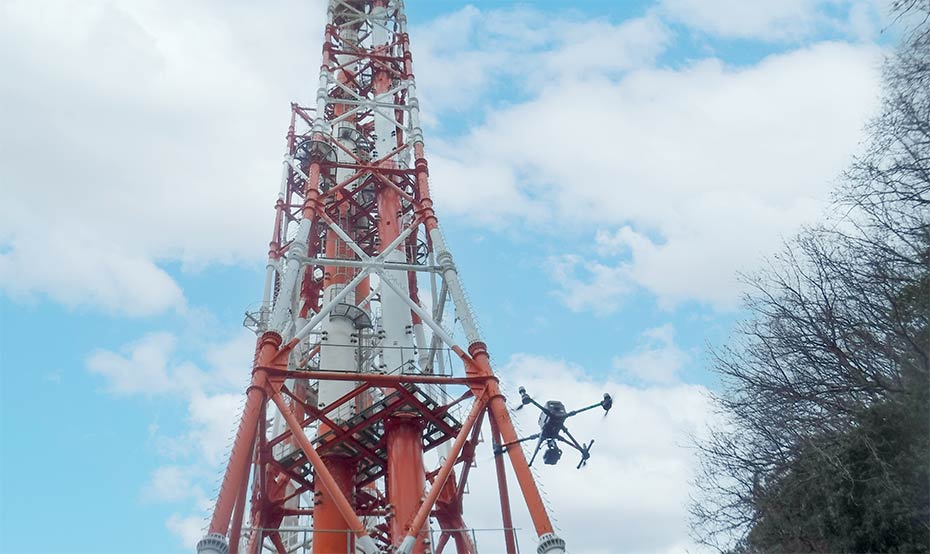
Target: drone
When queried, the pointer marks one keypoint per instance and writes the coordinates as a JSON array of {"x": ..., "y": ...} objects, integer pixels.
[{"x": 552, "y": 425}]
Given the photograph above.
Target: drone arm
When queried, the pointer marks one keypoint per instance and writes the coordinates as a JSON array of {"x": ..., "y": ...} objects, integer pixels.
[
  {"x": 585, "y": 409},
  {"x": 527, "y": 399},
  {"x": 500, "y": 449},
  {"x": 573, "y": 443},
  {"x": 607, "y": 403}
]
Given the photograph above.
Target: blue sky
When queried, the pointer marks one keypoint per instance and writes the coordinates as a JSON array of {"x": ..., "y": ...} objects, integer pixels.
[{"x": 602, "y": 173}]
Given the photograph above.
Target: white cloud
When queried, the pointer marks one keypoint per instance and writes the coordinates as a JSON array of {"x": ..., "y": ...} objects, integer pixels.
[
  {"x": 459, "y": 56},
  {"x": 773, "y": 20},
  {"x": 588, "y": 285},
  {"x": 230, "y": 361},
  {"x": 162, "y": 138},
  {"x": 701, "y": 169},
  {"x": 213, "y": 420},
  {"x": 603, "y": 48},
  {"x": 146, "y": 368},
  {"x": 136, "y": 132},
  {"x": 213, "y": 397},
  {"x": 656, "y": 359},
  {"x": 768, "y": 19},
  {"x": 171, "y": 483},
  {"x": 80, "y": 271},
  {"x": 189, "y": 529},
  {"x": 153, "y": 366},
  {"x": 632, "y": 495}
]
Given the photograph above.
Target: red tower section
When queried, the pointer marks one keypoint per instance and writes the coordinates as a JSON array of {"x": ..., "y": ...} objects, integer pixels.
[{"x": 359, "y": 379}]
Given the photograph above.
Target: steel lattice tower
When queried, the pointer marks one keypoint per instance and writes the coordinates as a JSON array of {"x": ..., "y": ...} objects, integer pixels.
[{"x": 354, "y": 373}]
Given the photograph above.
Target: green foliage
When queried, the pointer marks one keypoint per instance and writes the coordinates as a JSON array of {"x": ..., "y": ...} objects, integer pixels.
[{"x": 864, "y": 490}]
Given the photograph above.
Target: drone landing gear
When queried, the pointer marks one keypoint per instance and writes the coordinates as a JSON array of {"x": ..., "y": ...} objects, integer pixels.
[
  {"x": 585, "y": 454},
  {"x": 585, "y": 449}
]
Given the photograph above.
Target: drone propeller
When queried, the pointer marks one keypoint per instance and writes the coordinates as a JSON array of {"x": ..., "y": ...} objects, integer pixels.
[{"x": 524, "y": 398}]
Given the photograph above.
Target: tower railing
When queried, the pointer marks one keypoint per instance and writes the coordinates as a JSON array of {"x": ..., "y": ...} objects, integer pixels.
[{"x": 487, "y": 540}]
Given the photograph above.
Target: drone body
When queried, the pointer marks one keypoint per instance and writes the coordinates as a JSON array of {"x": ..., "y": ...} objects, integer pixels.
[
  {"x": 552, "y": 419},
  {"x": 551, "y": 428}
]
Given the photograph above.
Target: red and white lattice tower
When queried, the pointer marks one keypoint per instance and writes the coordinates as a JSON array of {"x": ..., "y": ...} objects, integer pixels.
[{"x": 356, "y": 372}]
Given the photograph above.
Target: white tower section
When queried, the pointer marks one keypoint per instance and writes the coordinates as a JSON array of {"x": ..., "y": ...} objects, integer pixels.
[
  {"x": 396, "y": 323},
  {"x": 337, "y": 353},
  {"x": 398, "y": 351}
]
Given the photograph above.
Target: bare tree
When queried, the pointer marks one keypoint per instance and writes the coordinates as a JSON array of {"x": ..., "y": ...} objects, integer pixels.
[{"x": 831, "y": 367}]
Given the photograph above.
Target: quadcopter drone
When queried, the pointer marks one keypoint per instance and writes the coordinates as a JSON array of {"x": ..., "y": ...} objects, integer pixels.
[{"x": 552, "y": 425}]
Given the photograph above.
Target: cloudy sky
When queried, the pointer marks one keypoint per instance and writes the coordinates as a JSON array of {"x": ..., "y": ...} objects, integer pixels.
[{"x": 602, "y": 170}]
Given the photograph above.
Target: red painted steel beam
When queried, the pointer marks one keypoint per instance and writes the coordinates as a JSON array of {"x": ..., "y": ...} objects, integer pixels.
[
  {"x": 237, "y": 470},
  {"x": 278, "y": 543},
  {"x": 468, "y": 456},
  {"x": 236, "y": 527},
  {"x": 449, "y": 510},
  {"x": 333, "y": 426},
  {"x": 521, "y": 468},
  {"x": 406, "y": 479},
  {"x": 425, "y": 411},
  {"x": 323, "y": 475},
  {"x": 441, "y": 543},
  {"x": 506, "y": 517},
  {"x": 420, "y": 518},
  {"x": 339, "y": 401}
]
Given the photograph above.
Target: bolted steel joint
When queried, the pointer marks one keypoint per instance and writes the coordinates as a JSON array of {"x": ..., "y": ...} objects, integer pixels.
[
  {"x": 444, "y": 259},
  {"x": 214, "y": 543},
  {"x": 550, "y": 544}
]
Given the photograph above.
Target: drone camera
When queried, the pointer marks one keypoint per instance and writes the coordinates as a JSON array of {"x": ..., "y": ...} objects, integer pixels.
[{"x": 552, "y": 454}]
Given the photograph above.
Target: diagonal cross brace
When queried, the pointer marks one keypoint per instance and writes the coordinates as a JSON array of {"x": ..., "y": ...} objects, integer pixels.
[
  {"x": 316, "y": 319},
  {"x": 406, "y": 547},
  {"x": 325, "y": 478}
]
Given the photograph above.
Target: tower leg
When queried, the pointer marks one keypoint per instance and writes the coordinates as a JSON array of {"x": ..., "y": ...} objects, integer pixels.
[
  {"x": 240, "y": 458},
  {"x": 406, "y": 547},
  {"x": 549, "y": 543},
  {"x": 441, "y": 543},
  {"x": 236, "y": 477},
  {"x": 330, "y": 529},
  {"x": 235, "y": 530},
  {"x": 506, "y": 517},
  {"x": 406, "y": 477}
]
